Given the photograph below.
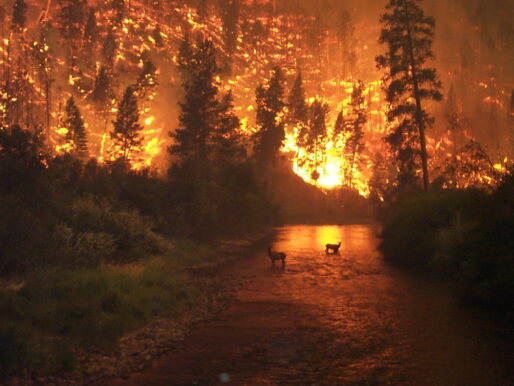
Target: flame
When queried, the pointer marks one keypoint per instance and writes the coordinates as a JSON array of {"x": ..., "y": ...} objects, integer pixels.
[
  {"x": 149, "y": 120},
  {"x": 283, "y": 44}
]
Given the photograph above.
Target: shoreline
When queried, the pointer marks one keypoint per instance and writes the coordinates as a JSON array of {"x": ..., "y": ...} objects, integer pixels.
[{"x": 138, "y": 349}]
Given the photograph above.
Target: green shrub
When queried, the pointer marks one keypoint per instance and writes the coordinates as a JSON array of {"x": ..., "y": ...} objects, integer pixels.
[
  {"x": 59, "y": 311},
  {"x": 91, "y": 249},
  {"x": 132, "y": 233},
  {"x": 451, "y": 244},
  {"x": 411, "y": 228}
]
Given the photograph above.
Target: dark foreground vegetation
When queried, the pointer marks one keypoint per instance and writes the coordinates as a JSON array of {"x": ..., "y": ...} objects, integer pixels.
[
  {"x": 89, "y": 252},
  {"x": 466, "y": 234}
]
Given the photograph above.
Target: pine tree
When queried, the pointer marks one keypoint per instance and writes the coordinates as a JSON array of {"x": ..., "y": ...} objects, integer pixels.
[
  {"x": 230, "y": 10},
  {"x": 270, "y": 122},
  {"x": 102, "y": 90},
  {"x": 91, "y": 28},
  {"x": 90, "y": 39},
  {"x": 109, "y": 50},
  {"x": 71, "y": 15},
  {"x": 381, "y": 183},
  {"x": 296, "y": 101},
  {"x": 199, "y": 109},
  {"x": 297, "y": 114},
  {"x": 118, "y": 9},
  {"x": 147, "y": 79},
  {"x": 346, "y": 34},
  {"x": 339, "y": 128},
  {"x": 317, "y": 135},
  {"x": 102, "y": 94},
  {"x": 43, "y": 59},
  {"x": 355, "y": 131},
  {"x": 74, "y": 123},
  {"x": 126, "y": 133},
  {"x": 408, "y": 34},
  {"x": 453, "y": 120},
  {"x": 19, "y": 15},
  {"x": 157, "y": 36},
  {"x": 185, "y": 58},
  {"x": 339, "y": 137},
  {"x": 227, "y": 139}
]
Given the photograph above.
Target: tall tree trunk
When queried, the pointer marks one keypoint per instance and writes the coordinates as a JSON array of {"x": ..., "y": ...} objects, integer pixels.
[{"x": 419, "y": 111}]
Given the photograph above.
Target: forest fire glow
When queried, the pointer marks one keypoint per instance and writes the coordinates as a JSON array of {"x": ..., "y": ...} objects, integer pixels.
[{"x": 128, "y": 41}]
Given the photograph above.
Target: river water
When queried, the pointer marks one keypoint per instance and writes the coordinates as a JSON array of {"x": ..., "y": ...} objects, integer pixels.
[{"x": 337, "y": 319}]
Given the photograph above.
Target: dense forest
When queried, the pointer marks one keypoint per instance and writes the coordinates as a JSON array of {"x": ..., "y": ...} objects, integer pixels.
[{"x": 143, "y": 132}]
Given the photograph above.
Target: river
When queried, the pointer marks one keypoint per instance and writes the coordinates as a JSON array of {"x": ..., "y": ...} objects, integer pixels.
[{"x": 338, "y": 319}]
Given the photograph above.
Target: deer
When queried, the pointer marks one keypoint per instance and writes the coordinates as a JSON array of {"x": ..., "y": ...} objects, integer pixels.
[
  {"x": 333, "y": 247},
  {"x": 276, "y": 256}
]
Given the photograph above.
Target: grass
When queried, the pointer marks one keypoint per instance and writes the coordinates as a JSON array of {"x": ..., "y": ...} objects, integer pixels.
[{"x": 59, "y": 311}]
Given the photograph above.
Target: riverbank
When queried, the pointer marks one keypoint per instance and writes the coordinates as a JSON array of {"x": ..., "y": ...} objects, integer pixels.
[
  {"x": 206, "y": 295},
  {"x": 466, "y": 235},
  {"x": 336, "y": 319}
]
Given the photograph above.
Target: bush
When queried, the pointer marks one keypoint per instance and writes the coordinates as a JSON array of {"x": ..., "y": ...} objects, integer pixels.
[
  {"x": 59, "y": 311},
  {"x": 91, "y": 249},
  {"x": 411, "y": 228},
  {"x": 467, "y": 234},
  {"x": 450, "y": 244},
  {"x": 130, "y": 233}
]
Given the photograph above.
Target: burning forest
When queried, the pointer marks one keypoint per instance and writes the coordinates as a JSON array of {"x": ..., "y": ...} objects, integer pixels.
[
  {"x": 65, "y": 65},
  {"x": 144, "y": 142}
]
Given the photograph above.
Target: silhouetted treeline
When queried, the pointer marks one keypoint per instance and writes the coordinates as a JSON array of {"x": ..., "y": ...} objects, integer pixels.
[
  {"x": 467, "y": 234},
  {"x": 59, "y": 211}
]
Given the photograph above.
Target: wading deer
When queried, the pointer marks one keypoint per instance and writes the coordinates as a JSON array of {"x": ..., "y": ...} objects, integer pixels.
[
  {"x": 276, "y": 256},
  {"x": 333, "y": 247}
]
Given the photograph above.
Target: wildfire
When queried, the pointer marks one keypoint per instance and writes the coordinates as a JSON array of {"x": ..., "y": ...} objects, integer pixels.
[{"x": 266, "y": 40}]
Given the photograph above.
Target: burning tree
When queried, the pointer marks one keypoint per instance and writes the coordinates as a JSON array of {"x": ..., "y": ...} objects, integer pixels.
[
  {"x": 102, "y": 93},
  {"x": 126, "y": 133},
  {"x": 76, "y": 131},
  {"x": 408, "y": 34},
  {"x": 471, "y": 167},
  {"x": 147, "y": 79},
  {"x": 91, "y": 36},
  {"x": 230, "y": 17},
  {"x": 316, "y": 136},
  {"x": 19, "y": 15},
  {"x": 354, "y": 129},
  {"x": 44, "y": 65},
  {"x": 382, "y": 182},
  {"x": 454, "y": 120},
  {"x": 270, "y": 122},
  {"x": 298, "y": 113},
  {"x": 109, "y": 50},
  {"x": 346, "y": 33},
  {"x": 71, "y": 19}
]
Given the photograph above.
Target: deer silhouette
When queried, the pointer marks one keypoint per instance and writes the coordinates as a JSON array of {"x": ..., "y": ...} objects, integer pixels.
[
  {"x": 274, "y": 256},
  {"x": 332, "y": 247}
]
